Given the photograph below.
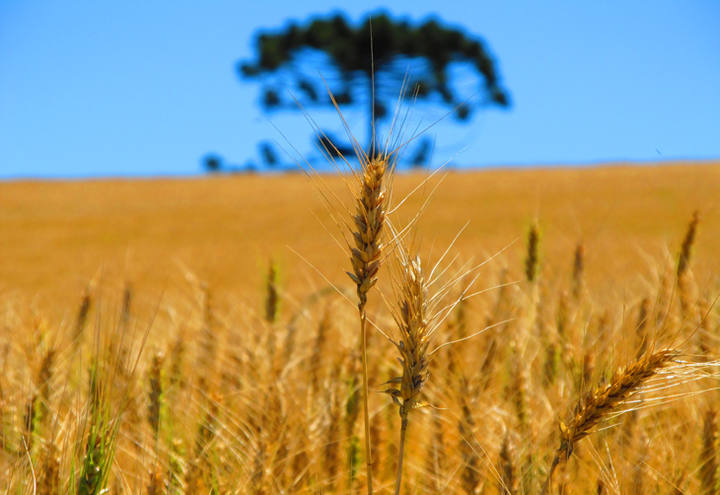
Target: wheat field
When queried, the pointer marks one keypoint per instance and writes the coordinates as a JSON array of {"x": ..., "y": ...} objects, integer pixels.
[{"x": 531, "y": 331}]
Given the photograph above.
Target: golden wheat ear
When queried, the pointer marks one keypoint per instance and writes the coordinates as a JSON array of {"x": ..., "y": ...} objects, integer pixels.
[
  {"x": 412, "y": 321},
  {"x": 606, "y": 401},
  {"x": 365, "y": 258}
]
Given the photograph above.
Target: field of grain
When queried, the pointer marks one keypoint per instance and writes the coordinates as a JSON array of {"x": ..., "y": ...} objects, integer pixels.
[{"x": 203, "y": 336}]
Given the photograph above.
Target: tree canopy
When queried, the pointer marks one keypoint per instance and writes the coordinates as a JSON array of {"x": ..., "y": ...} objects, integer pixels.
[{"x": 421, "y": 55}]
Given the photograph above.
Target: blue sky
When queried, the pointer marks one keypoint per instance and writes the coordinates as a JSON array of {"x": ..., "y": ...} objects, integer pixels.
[{"x": 145, "y": 88}]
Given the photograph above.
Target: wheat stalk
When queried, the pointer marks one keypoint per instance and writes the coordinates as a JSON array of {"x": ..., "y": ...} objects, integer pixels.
[
  {"x": 369, "y": 220},
  {"x": 412, "y": 320},
  {"x": 708, "y": 457},
  {"x": 470, "y": 476}
]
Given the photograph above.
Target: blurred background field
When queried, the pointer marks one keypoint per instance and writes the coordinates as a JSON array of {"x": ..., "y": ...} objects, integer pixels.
[
  {"x": 59, "y": 236},
  {"x": 251, "y": 384}
]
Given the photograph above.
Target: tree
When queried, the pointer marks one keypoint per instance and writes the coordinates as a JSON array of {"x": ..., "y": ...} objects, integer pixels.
[
  {"x": 212, "y": 163},
  {"x": 292, "y": 57}
]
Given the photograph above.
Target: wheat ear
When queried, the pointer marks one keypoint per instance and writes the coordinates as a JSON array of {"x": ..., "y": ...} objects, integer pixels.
[
  {"x": 604, "y": 401},
  {"x": 506, "y": 468},
  {"x": 369, "y": 220},
  {"x": 578, "y": 269},
  {"x": 687, "y": 244},
  {"x": 531, "y": 259},
  {"x": 683, "y": 266},
  {"x": 412, "y": 320}
]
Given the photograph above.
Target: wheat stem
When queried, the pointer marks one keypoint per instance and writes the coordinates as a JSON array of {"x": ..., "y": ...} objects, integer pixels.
[
  {"x": 366, "y": 413},
  {"x": 401, "y": 452}
]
